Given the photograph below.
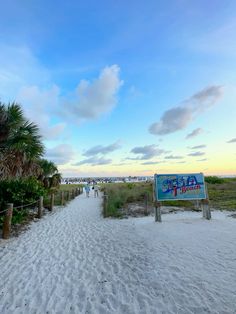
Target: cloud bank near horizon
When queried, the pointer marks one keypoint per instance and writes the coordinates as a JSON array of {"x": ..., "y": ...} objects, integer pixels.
[
  {"x": 194, "y": 133},
  {"x": 197, "y": 146},
  {"x": 94, "y": 161},
  {"x": 101, "y": 149},
  {"x": 196, "y": 154},
  {"x": 146, "y": 152},
  {"x": 94, "y": 152}
]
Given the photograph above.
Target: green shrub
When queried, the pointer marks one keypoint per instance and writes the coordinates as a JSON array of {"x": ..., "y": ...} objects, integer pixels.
[
  {"x": 20, "y": 191},
  {"x": 19, "y": 215},
  {"x": 214, "y": 180},
  {"x": 130, "y": 185}
]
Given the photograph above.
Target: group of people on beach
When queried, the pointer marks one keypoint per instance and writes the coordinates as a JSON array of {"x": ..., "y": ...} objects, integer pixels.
[{"x": 95, "y": 188}]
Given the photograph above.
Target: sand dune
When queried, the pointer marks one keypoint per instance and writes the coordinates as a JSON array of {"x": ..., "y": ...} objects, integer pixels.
[{"x": 74, "y": 261}]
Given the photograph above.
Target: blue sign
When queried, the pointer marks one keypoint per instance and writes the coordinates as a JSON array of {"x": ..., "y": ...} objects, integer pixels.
[{"x": 189, "y": 186}]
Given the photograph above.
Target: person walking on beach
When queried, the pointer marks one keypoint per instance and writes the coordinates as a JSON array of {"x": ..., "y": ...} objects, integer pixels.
[
  {"x": 87, "y": 189},
  {"x": 96, "y": 188}
]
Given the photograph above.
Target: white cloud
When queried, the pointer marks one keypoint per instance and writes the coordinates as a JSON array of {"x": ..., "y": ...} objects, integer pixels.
[
  {"x": 174, "y": 157},
  {"x": 100, "y": 149},
  {"x": 39, "y": 98},
  {"x": 19, "y": 67},
  {"x": 38, "y": 105},
  {"x": 179, "y": 117},
  {"x": 194, "y": 133},
  {"x": 121, "y": 164},
  {"x": 24, "y": 79},
  {"x": 196, "y": 154},
  {"x": 151, "y": 162},
  {"x": 61, "y": 154},
  {"x": 92, "y": 99},
  {"x": 94, "y": 161},
  {"x": 53, "y": 132},
  {"x": 233, "y": 140},
  {"x": 204, "y": 159},
  {"x": 146, "y": 152},
  {"x": 172, "y": 120},
  {"x": 21, "y": 78},
  {"x": 198, "y": 147},
  {"x": 205, "y": 98}
]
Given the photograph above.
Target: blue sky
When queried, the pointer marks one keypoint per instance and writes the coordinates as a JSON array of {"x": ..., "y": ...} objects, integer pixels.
[{"x": 123, "y": 88}]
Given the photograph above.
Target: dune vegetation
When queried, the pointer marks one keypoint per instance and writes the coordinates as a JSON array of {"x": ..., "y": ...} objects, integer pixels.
[{"x": 222, "y": 195}]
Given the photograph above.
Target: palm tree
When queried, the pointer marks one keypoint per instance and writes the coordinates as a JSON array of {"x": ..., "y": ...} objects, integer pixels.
[
  {"x": 56, "y": 180},
  {"x": 11, "y": 117},
  {"x": 20, "y": 143},
  {"x": 49, "y": 175}
]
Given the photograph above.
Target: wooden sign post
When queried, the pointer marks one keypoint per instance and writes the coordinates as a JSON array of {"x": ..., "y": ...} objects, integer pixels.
[
  {"x": 206, "y": 212},
  {"x": 157, "y": 205},
  {"x": 158, "y": 211},
  {"x": 187, "y": 186}
]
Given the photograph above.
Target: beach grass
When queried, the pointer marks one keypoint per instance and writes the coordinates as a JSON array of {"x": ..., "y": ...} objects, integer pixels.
[
  {"x": 222, "y": 196},
  {"x": 120, "y": 194}
]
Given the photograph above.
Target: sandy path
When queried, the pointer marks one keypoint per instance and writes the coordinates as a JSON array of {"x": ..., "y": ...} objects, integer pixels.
[{"x": 73, "y": 261}]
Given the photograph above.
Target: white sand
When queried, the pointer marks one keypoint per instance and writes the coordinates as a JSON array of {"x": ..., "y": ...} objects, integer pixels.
[{"x": 74, "y": 261}]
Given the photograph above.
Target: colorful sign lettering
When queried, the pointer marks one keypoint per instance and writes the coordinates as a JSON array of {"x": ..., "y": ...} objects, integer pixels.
[{"x": 180, "y": 187}]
